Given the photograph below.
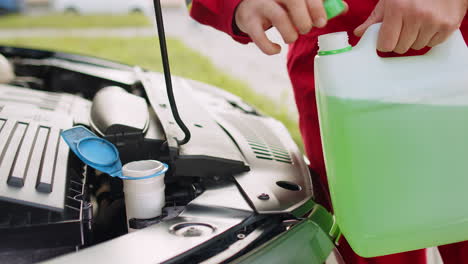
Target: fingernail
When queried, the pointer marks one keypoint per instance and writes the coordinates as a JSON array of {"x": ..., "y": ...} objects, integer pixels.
[
  {"x": 321, "y": 22},
  {"x": 382, "y": 49}
]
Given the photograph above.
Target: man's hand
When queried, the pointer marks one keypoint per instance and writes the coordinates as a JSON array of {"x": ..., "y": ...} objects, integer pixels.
[
  {"x": 414, "y": 23},
  {"x": 290, "y": 17}
]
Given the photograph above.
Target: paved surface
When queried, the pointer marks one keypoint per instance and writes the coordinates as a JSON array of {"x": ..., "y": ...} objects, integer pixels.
[
  {"x": 92, "y": 32},
  {"x": 44, "y": 9}
]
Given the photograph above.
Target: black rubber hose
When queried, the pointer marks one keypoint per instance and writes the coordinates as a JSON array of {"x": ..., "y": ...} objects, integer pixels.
[{"x": 167, "y": 74}]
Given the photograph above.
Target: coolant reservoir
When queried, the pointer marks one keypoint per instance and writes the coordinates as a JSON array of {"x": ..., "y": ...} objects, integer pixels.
[{"x": 395, "y": 139}]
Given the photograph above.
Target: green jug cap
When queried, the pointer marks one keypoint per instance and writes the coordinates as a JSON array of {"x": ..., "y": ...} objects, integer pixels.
[{"x": 333, "y": 8}]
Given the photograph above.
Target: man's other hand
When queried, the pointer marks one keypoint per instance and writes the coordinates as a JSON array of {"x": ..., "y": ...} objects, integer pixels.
[
  {"x": 290, "y": 17},
  {"x": 414, "y": 24}
]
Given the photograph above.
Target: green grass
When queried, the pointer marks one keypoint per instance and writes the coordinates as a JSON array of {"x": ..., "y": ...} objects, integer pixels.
[
  {"x": 185, "y": 62},
  {"x": 66, "y": 21}
]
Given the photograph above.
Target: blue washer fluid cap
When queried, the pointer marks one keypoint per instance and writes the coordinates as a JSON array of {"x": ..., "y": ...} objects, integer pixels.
[{"x": 93, "y": 150}]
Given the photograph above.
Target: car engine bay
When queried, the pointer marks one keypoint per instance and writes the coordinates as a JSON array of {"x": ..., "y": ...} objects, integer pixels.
[{"x": 241, "y": 172}]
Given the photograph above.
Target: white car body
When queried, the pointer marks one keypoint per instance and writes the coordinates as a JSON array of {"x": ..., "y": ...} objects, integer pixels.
[{"x": 103, "y": 6}]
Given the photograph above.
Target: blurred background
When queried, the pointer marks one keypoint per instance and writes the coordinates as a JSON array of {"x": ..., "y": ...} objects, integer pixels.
[{"x": 123, "y": 30}]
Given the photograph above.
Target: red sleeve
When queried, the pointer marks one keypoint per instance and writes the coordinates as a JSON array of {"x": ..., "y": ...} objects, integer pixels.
[{"x": 218, "y": 14}]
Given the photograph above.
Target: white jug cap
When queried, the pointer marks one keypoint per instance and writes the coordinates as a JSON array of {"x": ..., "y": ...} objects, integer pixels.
[{"x": 333, "y": 43}]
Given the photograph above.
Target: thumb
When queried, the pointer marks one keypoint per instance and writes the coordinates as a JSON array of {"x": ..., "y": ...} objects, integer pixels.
[{"x": 375, "y": 17}]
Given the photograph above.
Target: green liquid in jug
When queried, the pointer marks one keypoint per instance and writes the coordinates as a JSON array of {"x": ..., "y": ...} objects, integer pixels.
[{"x": 398, "y": 173}]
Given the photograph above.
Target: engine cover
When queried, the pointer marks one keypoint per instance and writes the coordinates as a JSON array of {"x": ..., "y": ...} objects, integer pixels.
[
  {"x": 33, "y": 158},
  {"x": 42, "y": 195}
]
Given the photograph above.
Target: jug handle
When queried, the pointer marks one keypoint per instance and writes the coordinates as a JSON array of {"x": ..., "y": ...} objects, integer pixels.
[{"x": 453, "y": 46}]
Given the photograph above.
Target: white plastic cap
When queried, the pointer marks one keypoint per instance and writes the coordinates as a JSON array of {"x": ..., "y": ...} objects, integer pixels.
[{"x": 333, "y": 41}]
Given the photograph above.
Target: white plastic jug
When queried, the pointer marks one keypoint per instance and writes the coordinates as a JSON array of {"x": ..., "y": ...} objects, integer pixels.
[{"x": 395, "y": 140}]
